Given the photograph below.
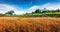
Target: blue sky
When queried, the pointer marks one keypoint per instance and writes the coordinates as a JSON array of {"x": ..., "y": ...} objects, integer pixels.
[{"x": 23, "y": 6}]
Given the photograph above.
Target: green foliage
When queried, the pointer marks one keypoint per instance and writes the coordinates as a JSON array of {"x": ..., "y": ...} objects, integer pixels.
[
  {"x": 10, "y": 12},
  {"x": 33, "y": 12},
  {"x": 47, "y": 14},
  {"x": 2, "y": 15},
  {"x": 38, "y": 11}
]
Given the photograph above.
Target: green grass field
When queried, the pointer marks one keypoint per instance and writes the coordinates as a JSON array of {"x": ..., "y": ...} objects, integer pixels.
[{"x": 46, "y": 14}]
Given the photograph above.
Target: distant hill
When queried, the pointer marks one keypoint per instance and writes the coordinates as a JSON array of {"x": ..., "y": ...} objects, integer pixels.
[{"x": 43, "y": 13}]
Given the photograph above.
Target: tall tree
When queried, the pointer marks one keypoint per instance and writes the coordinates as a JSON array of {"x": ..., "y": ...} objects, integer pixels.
[
  {"x": 38, "y": 11},
  {"x": 58, "y": 10},
  {"x": 10, "y": 12}
]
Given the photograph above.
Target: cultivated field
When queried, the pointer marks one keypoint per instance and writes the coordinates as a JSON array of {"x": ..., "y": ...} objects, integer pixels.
[{"x": 36, "y": 24}]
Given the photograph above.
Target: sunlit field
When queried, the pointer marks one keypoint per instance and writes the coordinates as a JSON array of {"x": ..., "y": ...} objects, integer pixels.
[{"x": 29, "y": 24}]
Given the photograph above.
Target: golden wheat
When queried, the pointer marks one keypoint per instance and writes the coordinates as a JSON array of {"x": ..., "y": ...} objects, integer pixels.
[{"x": 37, "y": 24}]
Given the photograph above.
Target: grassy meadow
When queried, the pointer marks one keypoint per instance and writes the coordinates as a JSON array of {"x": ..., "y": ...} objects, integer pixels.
[{"x": 45, "y": 14}]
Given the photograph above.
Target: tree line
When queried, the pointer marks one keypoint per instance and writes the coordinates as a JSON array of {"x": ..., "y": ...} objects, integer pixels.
[{"x": 11, "y": 12}]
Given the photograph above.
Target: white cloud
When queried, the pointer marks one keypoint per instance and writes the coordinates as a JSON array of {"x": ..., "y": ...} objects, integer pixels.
[
  {"x": 33, "y": 8},
  {"x": 4, "y": 8},
  {"x": 50, "y": 6}
]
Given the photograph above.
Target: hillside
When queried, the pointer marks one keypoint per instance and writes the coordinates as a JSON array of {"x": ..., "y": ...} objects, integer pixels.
[{"x": 46, "y": 14}]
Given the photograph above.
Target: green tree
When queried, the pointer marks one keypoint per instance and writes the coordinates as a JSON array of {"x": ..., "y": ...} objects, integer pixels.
[
  {"x": 38, "y": 11},
  {"x": 33, "y": 12},
  {"x": 58, "y": 10},
  {"x": 10, "y": 12}
]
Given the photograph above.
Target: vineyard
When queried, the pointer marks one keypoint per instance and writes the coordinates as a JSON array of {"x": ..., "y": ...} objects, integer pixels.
[{"x": 29, "y": 24}]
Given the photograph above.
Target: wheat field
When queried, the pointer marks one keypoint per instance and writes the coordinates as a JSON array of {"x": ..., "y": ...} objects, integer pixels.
[{"x": 29, "y": 24}]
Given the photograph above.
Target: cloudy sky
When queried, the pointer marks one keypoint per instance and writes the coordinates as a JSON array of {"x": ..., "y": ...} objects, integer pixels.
[{"x": 27, "y": 6}]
